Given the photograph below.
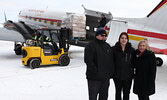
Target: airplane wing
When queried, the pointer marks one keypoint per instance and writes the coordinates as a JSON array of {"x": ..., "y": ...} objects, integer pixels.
[{"x": 10, "y": 35}]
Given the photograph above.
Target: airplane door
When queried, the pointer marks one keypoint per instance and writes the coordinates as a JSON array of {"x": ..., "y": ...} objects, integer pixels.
[
  {"x": 116, "y": 28},
  {"x": 92, "y": 22}
]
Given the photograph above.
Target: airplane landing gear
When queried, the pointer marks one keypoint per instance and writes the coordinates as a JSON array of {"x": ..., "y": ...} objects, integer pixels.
[{"x": 159, "y": 61}]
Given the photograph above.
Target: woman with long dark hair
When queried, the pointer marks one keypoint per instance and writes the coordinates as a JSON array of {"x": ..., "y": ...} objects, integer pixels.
[
  {"x": 144, "y": 62},
  {"x": 123, "y": 52}
]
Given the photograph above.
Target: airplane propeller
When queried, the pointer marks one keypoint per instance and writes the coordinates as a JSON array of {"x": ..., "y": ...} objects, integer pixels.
[
  {"x": 8, "y": 23},
  {"x": 5, "y": 19},
  {"x": 5, "y": 16}
]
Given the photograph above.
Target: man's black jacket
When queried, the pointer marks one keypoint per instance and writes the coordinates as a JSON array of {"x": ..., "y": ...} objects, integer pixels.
[
  {"x": 99, "y": 60},
  {"x": 103, "y": 22}
]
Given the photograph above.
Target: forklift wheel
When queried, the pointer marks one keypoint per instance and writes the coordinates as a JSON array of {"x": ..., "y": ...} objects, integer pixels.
[
  {"x": 64, "y": 60},
  {"x": 34, "y": 63}
]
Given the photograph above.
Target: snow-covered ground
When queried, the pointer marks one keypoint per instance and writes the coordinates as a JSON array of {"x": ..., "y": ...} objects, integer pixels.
[{"x": 18, "y": 82}]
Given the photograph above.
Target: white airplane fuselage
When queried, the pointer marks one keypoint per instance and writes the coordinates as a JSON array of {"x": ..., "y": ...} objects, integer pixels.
[{"x": 50, "y": 19}]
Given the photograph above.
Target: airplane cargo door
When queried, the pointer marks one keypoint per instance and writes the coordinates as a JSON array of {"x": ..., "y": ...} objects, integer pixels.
[
  {"x": 92, "y": 23},
  {"x": 116, "y": 28}
]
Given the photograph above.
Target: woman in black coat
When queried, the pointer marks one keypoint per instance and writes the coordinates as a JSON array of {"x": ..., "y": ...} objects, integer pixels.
[
  {"x": 145, "y": 71},
  {"x": 123, "y": 52}
]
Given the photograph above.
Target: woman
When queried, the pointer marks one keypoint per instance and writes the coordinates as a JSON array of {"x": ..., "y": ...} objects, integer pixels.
[
  {"x": 145, "y": 71},
  {"x": 123, "y": 69}
]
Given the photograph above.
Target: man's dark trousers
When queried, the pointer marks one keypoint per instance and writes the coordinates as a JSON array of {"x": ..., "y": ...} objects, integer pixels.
[{"x": 98, "y": 89}]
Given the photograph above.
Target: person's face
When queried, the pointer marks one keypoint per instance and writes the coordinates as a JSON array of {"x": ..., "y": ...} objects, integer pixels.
[
  {"x": 123, "y": 40},
  {"x": 101, "y": 37},
  {"x": 142, "y": 47}
]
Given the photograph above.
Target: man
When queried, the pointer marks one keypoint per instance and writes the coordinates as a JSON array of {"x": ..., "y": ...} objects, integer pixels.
[
  {"x": 102, "y": 22},
  {"x": 37, "y": 36},
  {"x": 100, "y": 67}
]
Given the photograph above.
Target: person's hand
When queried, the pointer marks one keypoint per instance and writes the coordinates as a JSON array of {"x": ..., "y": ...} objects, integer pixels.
[{"x": 98, "y": 20}]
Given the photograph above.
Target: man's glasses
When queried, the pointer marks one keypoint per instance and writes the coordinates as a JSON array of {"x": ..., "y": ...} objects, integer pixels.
[{"x": 103, "y": 35}]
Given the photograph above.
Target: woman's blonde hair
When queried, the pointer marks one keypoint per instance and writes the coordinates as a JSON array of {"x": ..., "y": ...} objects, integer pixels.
[{"x": 146, "y": 43}]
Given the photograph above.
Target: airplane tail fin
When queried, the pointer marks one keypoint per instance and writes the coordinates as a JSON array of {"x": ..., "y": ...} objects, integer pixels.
[
  {"x": 157, "y": 19},
  {"x": 159, "y": 7}
]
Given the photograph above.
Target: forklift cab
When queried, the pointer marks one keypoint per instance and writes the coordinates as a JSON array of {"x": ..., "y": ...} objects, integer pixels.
[{"x": 46, "y": 52}]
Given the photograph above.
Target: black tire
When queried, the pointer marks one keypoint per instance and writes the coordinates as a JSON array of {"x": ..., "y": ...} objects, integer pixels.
[
  {"x": 18, "y": 49},
  {"x": 34, "y": 63},
  {"x": 159, "y": 61},
  {"x": 64, "y": 60}
]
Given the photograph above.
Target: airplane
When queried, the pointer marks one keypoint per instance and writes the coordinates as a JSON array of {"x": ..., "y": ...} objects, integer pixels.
[
  {"x": 32, "y": 19},
  {"x": 150, "y": 28}
]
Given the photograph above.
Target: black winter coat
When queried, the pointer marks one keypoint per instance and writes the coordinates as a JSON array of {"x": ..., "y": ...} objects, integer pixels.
[
  {"x": 145, "y": 73},
  {"x": 99, "y": 60},
  {"x": 103, "y": 22},
  {"x": 122, "y": 59}
]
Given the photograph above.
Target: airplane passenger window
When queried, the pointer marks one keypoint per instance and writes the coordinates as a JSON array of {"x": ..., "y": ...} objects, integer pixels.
[
  {"x": 95, "y": 29},
  {"x": 45, "y": 21},
  {"x": 39, "y": 20},
  {"x": 87, "y": 27},
  {"x": 51, "y": 23}
]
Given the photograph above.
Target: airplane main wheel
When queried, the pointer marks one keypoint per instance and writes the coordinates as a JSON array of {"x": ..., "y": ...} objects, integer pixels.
[
  {"x": 18, "y": 49},
  {"x": 34, "y": 63},
  {"x": 64, "y": 60},
  {"x": 159, "y": 61}
]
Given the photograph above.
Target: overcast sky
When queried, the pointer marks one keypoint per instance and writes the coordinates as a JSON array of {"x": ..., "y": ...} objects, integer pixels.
[{"x": 118, "y": 8}]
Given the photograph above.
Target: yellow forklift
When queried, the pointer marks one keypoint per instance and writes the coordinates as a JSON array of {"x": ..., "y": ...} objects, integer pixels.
[{"x": 38, "y": 52}]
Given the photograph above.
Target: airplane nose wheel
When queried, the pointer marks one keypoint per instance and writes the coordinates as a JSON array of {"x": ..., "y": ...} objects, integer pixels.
[{"x": 159, "y": 61}]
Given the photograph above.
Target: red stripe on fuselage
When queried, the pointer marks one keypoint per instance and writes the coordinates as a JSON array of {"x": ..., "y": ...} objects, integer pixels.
[
  {"x": 53, "y": 20},
  {"x": 156, "y": 50},
  {"x": 147, "y": 34}
]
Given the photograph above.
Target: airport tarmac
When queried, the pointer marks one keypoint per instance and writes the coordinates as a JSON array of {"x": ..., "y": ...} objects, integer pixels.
[{"x": 18, "y": 82}]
